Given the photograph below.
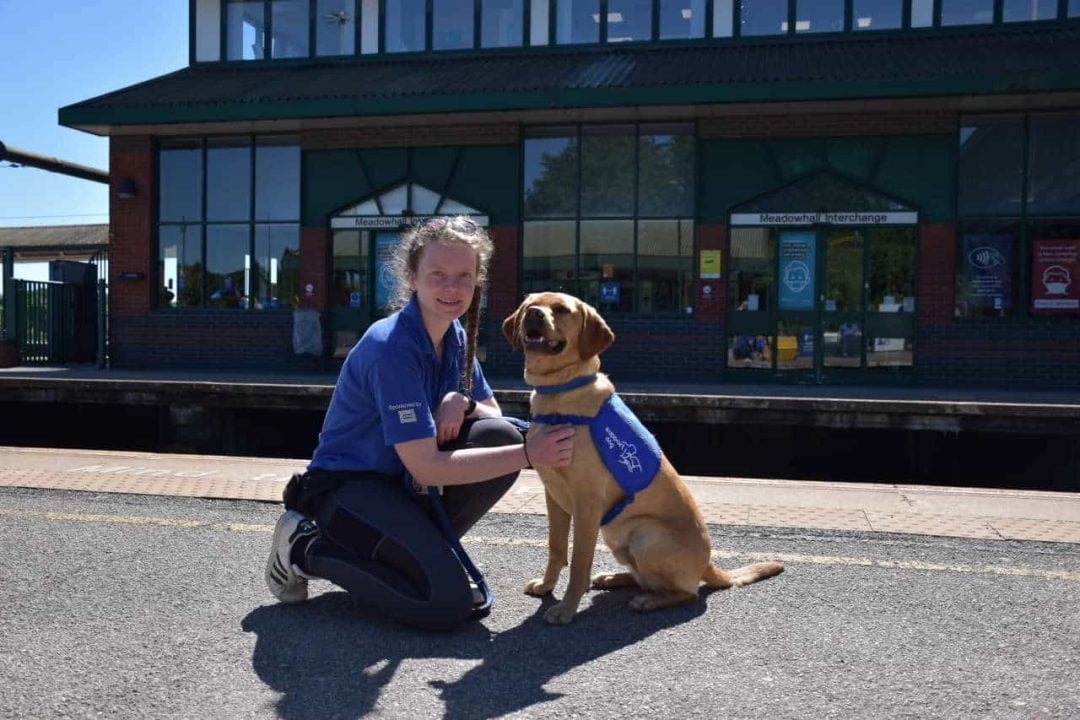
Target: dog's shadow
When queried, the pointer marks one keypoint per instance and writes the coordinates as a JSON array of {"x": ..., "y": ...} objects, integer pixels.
[{"x": 331, "y": 657}]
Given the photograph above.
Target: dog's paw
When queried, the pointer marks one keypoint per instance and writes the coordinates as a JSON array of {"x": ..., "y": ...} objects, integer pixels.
[
  {"x": 560, "y": 614},
  {"x": 611, "y": 581},
  {"x": 538, "y": 587},
  {"x": 644, "y": 602}
]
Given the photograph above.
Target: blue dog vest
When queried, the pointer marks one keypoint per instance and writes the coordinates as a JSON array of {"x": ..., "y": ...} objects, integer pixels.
[{"x": 629, "y": 451}]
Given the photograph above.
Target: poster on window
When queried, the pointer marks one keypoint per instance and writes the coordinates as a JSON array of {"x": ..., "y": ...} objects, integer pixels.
[
  {"x": 1055, "y": 276},
  {"x": 797, "y": 270},
  {"x": 988, "y": 270},
  {"x": 384, "y": 276}
]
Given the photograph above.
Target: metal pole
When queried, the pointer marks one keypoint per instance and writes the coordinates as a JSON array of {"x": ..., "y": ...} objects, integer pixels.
[{"x": 24, "y": 157}]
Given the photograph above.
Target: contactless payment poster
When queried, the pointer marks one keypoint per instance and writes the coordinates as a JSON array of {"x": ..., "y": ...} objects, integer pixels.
[
  {"x": 797, "y": 270},
  {"x": 1055, "y": 276}
]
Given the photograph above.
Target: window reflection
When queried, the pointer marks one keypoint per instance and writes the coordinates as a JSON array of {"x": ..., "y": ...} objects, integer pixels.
[
  {"x": 404, "y": 25},
  {"x": 501, "y": 23},
  {"x": 922, "y": 13},
  {"x": 967, "y": 12},
  {"x": 245, "y": 30},
  {"x": 607, "y": 170},
  {"x": 180, "y": 184},
  {"x": 763, "y": 17},
  {"x": 629, "y": 20},
  {"x": 890, "y": 352},
  {"x": 814, "y": 16},
  {"x": 892, "y": 270},
  {"x": 577, "y": 21},
  {"x": 752, "y": 271},
  {"x": 877, "y": 14},
  {"x": 1054, "y": 156},
  {"x": 289, "y": 28},
  {"x": 452, "y": 24},
  {"x": 277, "y": 249},
  {"x": 607, "y": 264},
  {"x": 277, "y": 182},
  {"x": 1021, "y": 10},
  {"x": 666, "y": 167},
  {"x": 665, "y": 260},
  {"x": 228, "y": 265},
  {"x": 550, "y": 256},
  {"x": 723, "y": 18},
  {"x": 228, "y": 183},
  {"x": 990, "y": 165},
  {"x": 682, "y": 19},
  {"x": 179, "y": 265},
  {"x": 335, "y": 27},
  {"x": 551, "y": 174}
]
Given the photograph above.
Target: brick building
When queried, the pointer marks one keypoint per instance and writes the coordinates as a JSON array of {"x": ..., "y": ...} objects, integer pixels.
[{"x": 819, "y": 191}]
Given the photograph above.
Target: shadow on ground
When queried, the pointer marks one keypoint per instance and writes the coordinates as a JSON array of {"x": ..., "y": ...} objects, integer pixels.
[{"x": 332, "y": 658}]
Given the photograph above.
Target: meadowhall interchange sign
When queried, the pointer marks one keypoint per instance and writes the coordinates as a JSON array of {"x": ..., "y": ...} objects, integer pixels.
[
  {"x": 826, "y": 218},
  {"x": 391, "y": 222}
]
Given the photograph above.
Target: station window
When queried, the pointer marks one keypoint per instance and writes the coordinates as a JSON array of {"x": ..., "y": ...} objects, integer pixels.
[
  {"x": 501, "y": 23},
  {"x": 763, "y": 17},
  {"x": 577, "y": 22},
  {"x": 682, "y": 19},
  {"x": 239, "y": 248},
  {"x": 335, "y": 27},
  {"x": 817, "y": 16},
  {"x": 877, "y": 14},
  {"x": 967, "y": 12},
  {"x": 1023, "y": 10},
  {"x": 608, "y": 215}
]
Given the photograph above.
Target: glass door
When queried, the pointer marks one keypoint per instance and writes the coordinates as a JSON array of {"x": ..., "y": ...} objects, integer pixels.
[
  {"x": 362, "y": 284},
  {"x": 828, "y": 304}
]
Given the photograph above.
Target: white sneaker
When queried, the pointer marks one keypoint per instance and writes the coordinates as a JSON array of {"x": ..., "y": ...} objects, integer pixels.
[{"x": 286, "y": 581}]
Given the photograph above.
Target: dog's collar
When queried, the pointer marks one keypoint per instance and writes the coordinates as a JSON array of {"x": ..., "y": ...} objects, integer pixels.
[{"x": 569, "y": 385}]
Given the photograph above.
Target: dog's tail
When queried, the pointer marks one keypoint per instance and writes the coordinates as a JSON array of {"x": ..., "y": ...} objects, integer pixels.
[{"x": 722, "y": 579}]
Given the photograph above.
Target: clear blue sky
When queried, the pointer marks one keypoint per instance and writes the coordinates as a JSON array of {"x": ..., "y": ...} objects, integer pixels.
[{"x": 57, "y": 53}]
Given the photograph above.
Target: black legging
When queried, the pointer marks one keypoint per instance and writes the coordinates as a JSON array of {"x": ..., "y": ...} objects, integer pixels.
[{"x": 379, "y": 541}]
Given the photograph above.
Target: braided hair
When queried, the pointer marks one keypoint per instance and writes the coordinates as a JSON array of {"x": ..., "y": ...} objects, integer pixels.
[{"x": 406, "y": 260}]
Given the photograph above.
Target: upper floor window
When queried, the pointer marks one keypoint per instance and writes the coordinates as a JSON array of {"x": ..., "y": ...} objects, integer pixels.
[
  {"x": 272, "y": 29},
  {"x": 335, "y": 27},
  {"x": 967, "y": 12},
  {"x": 877, "y": 14}
]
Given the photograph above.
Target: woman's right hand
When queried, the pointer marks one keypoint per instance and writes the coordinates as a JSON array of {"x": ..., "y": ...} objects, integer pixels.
[{"x": 552, "y": 446}]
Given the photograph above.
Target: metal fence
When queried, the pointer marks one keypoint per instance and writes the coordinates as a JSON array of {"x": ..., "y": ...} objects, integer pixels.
[{"x": 46, "y": 321}]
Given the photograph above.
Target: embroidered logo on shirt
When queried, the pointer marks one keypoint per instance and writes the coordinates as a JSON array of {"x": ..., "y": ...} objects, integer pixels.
[
  {"x": 627, "y": 452},
  {"x": 407, "y": 416}
]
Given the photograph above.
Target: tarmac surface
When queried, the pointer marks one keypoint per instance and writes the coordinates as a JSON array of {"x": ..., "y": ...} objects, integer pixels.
[{"x": 121, "y": 605}]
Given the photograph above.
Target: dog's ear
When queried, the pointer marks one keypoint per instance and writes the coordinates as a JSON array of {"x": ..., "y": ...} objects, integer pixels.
[
  {"x": 512, "y": 326},
  {"x": 596, "y": 336}
]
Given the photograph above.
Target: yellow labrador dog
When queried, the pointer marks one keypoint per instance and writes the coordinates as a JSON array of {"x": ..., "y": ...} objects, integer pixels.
[{"x": 619, "y": 484}]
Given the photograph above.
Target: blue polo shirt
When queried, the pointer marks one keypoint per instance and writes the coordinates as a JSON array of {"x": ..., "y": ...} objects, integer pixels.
[{"x": 387, "y": 392}]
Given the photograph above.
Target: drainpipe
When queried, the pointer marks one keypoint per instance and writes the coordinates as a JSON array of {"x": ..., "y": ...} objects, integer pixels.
[
  {"x": 8, "y": 287},
  {"x": 23, "y": 157}
]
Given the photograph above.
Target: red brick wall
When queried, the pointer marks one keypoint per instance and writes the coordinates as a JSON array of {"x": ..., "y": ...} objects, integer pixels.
[
  {"x": 503, "y": 273},
  {"x": 709, "y": 294},
  {"x": 314, "y": 254},
  {"x": 937, "y": 273},
  {"x": 829, "y": 124},
  {"x": 131, "y": 225}
]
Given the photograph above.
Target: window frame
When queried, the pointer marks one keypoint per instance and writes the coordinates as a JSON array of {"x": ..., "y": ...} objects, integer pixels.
[
  {"x": 202, "y": 145},
  {"x": 579, "y": 217}
]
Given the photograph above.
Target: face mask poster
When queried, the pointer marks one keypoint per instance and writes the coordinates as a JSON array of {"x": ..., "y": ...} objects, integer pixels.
[{"x": 1055, "y": 276}]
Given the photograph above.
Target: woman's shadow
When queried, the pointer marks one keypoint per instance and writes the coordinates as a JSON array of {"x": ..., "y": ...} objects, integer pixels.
[{"x": 331, "y": 657}]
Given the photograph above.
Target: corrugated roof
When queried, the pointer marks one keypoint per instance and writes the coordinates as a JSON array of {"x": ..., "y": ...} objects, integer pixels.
[
  {"x": 1005, "y": 58},
  {"x": 55, "y": 236}
]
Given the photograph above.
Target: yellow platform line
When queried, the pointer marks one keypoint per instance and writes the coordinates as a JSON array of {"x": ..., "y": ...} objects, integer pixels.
[{"x": 794, "y": 558}]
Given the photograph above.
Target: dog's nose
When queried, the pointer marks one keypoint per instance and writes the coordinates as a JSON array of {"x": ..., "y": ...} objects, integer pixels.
[{"x": 533, "y": 313}]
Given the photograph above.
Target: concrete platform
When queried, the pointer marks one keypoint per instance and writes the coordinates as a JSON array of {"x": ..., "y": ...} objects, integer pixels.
[{"x": 941, "y": 511}]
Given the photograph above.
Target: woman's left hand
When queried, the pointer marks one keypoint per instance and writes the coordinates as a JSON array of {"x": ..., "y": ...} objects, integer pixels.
[{"x": 449, "y": 416}]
